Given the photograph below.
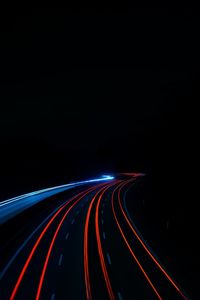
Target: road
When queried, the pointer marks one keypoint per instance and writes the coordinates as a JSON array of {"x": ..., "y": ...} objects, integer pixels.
[{"x": 82, "y": 245}]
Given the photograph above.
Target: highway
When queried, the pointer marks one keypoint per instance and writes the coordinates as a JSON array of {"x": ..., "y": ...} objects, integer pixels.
[{"x": 81, "y": 243}]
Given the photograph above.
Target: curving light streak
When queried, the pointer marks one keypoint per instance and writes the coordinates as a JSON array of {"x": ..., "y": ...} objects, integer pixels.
[
  {"x": 101, "y": 256},
  {"x": 147, "y": 248},
  {"x": 3, "y": 272},
  {"x": 13, "y": 206},
  {"x": 130, "y": 249},
  {"x": 11, "y": 200},
  {"x": 19, "y": 280},
  {"x": 85, "y": 249},
  {"x": 52, "y": 243},
  {"x": 86, "y": 260}
]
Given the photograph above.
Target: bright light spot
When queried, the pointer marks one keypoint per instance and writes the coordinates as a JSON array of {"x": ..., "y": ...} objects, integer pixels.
[{"x": 108, "y": 176}]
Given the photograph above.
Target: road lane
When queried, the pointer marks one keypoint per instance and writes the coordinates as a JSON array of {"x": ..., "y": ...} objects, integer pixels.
[
  {"x": 163, "y": 285},
  {"x": 126, "y": 281},
  {"x": 86, "y": 247},
  {"x": 13, "y": 206},
  {"x": 8, "y": 280}
]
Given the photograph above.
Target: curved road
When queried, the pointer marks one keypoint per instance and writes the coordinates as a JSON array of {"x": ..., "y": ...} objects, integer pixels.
[{"x": 81, "y": 245}]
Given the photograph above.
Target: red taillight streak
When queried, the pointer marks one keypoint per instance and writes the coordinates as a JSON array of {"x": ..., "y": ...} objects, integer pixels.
[
  {"x": 132, "y": 174},
  {"x": 102, "y": 260},
  {"x": 51, "y": 246},
  {"x": 86, "y": 262},
  {"x": 86, "y": 265},
  {"x": 19, "y": 280},
  {"x": 145, "y": 247},
  {"x": 131, "y": 251}
]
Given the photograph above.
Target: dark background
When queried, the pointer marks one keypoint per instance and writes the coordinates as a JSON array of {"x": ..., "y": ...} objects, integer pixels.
[{"x": 85, "y": 92}]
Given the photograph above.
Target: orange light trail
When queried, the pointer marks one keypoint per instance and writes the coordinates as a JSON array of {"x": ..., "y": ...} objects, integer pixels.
[
  {"x": 20, "y": 278},
  {"x": 52, "y": 243},
  {"x": 86, "y": 261},
  {"x": 145, "y": 247},
  {"x": 102, "y": 260},
  {"x": 131, "y": 251}
]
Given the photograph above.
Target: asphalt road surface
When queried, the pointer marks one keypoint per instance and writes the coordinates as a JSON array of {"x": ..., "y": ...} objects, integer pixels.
[{"x": 81, "y": 244}]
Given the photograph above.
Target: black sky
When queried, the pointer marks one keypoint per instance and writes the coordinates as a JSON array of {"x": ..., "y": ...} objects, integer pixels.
[{"x": 87, "y": 91}]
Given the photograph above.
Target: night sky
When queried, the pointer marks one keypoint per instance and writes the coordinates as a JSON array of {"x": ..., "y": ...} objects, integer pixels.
[{"x": 87, "y": 91}]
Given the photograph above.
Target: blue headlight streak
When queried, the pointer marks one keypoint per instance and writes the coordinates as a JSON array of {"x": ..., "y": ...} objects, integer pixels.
[
  {"x": 107, "y": 177},
  {"x": 13, "y": 206}
]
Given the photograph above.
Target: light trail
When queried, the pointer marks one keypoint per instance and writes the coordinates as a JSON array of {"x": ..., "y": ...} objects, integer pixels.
[
  {"x": 13, "y": 206},
  {"x": 123, "y": 229},
  {"x": 74, "y": 184},
  {"x": 145, "y": 247},
  {"x": 19, "y": 280},
  {"x": 130, "y": 250},
  {"x": 86, "y": 260},
  {"x": 101, "y": 256},
  {"x": 52, "y": 243}
]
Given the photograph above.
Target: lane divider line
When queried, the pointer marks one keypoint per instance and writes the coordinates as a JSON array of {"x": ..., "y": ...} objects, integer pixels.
[
  {"x": 53, "y": 296},
  {"x": 108, "y": 257},
  {"x": 60, "y": 259},
  {"x": 119, "y": 296}
]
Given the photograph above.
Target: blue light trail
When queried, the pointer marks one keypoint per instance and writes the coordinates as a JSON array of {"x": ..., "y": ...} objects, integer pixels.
[{"x": 13, "y": 206}]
